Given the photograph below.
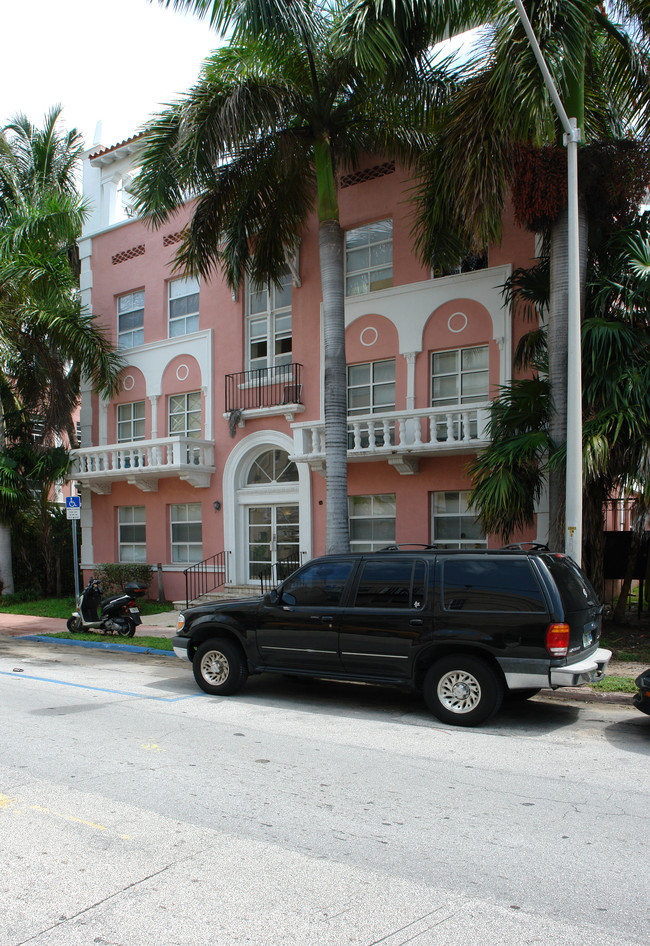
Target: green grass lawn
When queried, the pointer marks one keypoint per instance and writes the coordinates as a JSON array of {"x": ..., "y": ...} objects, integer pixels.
[
  {"x": 63, "y": 607},
  {"x": 153, "y": 643}
]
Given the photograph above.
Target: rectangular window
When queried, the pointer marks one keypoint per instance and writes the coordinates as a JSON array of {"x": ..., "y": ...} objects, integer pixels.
[
  {"x": 390, "y": 583},
  {"x": 186, "y": 533},
  {"x": 460, "y": 376},
  {"x": 372, "y": 522},
  {"x": 183, "y": 307},
  {"x": 453, "y": 526},
  {"x": 369, "y": 258},
  {"x": 268, "y": 324},
  {"x": 130, "y": 422},
  {"x": 185, "y": 415},
  {"x": 473, "y": 584},
  {"x": 371, "y": 390},
  {"x": 130, "y": 319},
  {"x": 132, "y": 530}
]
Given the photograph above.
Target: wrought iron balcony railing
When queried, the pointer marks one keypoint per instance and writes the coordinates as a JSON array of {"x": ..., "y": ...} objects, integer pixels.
[{"x": 264, "y": 387}]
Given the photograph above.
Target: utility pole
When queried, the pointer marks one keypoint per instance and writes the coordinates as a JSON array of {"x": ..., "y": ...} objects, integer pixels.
[{"x": 573, "y": 511}]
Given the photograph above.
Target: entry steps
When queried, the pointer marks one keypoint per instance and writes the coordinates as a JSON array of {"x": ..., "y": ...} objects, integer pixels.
[{"x": 225, "y": 593}]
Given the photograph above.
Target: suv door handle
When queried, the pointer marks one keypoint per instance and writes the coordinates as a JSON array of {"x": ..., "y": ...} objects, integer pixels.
[
  {"x": 416, "y": 622},
  {"x": 322, "y": 618}
]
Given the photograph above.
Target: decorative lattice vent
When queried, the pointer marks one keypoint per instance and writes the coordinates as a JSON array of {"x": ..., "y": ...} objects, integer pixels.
[
  {"x": 128, "y": 254},
  {"x": 170, "y": 238},
  {"x": 368, "y": 174}
]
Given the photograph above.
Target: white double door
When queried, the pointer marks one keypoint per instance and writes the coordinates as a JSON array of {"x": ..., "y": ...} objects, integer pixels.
[{"x": 273, "y": 535}]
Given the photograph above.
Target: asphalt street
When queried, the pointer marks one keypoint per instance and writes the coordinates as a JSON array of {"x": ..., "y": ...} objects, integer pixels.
[{"x": 136, "y": 810}]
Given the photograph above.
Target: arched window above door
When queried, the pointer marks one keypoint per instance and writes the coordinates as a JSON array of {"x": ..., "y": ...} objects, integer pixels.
[{"x": 272, "y": 466}]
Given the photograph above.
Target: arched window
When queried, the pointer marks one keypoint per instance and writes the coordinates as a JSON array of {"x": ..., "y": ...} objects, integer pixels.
[{"x": 272, "y": 466}]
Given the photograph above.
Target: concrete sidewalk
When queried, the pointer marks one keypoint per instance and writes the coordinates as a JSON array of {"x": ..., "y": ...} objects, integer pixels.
[{"x": 23, "y": 625}]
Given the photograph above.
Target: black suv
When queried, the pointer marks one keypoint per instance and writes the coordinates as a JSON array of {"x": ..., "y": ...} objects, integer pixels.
[{"x": 465, "y": 627}]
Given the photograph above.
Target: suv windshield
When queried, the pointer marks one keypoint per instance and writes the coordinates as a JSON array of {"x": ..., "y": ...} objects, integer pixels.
[{"x": 573, "y": 585}]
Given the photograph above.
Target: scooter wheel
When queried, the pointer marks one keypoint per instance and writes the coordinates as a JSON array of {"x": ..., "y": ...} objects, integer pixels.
[
  {"x": 74, "y": 625},
  {"x": 125, "y": 628}
]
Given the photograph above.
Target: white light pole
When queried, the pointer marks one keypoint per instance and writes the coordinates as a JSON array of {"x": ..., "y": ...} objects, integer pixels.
[{"x": 573, "y": 512}]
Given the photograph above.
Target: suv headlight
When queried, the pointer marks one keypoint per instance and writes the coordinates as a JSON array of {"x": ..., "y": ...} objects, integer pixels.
[{"x": 180, "y": 624}]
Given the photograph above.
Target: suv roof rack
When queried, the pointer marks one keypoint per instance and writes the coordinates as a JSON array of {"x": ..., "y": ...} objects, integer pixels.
[
  {"x": 525, "y": 547},
  {"x": 406, "y": 545}
]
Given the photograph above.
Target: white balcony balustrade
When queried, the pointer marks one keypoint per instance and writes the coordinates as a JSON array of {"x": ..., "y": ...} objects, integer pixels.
[
  {"x": 143, "y": 462},
  {"x": 400, "y": 437}
]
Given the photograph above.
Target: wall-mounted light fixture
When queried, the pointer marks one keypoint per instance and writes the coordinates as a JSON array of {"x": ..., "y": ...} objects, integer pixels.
[{"x": 217, "y": 505}]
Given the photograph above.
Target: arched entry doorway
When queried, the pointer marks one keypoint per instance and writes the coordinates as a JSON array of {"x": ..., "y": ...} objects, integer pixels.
[
  {"x": 273, "y": 526},
  {"x": 269, "y": 519}
]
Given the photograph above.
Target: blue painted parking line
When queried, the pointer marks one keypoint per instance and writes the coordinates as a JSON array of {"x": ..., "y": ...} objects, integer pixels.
[{"x": 84, "y": 686}]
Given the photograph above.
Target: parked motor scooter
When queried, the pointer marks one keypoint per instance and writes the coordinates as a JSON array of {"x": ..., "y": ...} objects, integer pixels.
[{"x": 119, "y": 614}]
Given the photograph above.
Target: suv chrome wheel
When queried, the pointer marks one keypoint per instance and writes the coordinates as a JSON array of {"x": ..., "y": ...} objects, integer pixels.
[
  {"x": 214, "y": 668},
  {"x": 459, "y": 691}
]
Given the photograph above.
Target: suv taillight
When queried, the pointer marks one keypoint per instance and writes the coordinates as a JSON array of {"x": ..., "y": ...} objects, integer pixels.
[{"x": 557, "y": 640}]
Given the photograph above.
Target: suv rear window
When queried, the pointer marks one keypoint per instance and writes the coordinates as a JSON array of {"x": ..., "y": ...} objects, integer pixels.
[
  {"x": 574, "y": 586},
  {"x": 473, "y": 584}
]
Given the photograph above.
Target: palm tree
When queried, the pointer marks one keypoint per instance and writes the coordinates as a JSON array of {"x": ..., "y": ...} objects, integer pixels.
[
  {"x": 260, "y": 141},
  {"x": 46, "y": 342},
  {"x": 616, "y": 397},
  {"x": 600, "y": 69}
]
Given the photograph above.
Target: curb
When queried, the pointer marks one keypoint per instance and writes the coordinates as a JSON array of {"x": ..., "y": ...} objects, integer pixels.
[
  {"x": 586, "y": 695},
  {"x": 576, "y": 694},
  {"x": 128, "y": 648}
]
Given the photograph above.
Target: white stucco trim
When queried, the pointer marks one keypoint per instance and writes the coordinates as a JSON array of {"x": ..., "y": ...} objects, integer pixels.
[
  {"x": 236, "y": 500},
  {"x": 152, "y": 360},
  {"x": 409, "y": 307}
]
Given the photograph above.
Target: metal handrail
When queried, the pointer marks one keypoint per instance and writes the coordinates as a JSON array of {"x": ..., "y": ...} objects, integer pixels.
[
  {"x": 264, "y": 387},
  {"x": 277, "y": 572},
  {"x": 199, "y": 576}
]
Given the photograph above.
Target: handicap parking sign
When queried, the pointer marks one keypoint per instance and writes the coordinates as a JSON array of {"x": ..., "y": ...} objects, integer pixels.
[{"x": 73, "y": 507}]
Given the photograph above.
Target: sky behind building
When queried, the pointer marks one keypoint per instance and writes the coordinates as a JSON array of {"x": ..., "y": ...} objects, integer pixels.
[{"x": 116, "y": 61}]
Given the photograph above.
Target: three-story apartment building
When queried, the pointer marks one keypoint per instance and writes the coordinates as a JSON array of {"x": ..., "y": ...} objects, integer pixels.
[{"x": 215, "y": 443}]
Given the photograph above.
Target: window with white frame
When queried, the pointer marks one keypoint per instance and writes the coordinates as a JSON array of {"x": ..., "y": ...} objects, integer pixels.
[
  {"x": 460, "y": 376},
  {"x": 453, "y": 525},
  {"x": 130, "y": 422},
  {"x": 185, "y": 415},
  {"x": 268, "y": 323},
  {"x": 369, "y": 258},
  {"x": 372, "y": 522},
  {"x": 132, "y": 533},
  {"x": 186, "y": 533},
  {"x": 130, "y": 319},
  {"x": 371, "y": 390},
  {"x": 183, "y": 306}
]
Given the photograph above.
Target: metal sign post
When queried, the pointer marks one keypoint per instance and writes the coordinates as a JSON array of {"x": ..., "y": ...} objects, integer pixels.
[{"x": 73, "y": 512}]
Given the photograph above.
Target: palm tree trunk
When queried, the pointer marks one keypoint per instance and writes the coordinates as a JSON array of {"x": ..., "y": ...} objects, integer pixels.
[
  {"x": 558, "y": 323},
  {"x": 336, "y": 430},
  {"x": 6, "y": 571},
  {"x": 6, "y": 567},
  {"x": 594, "y": 545}
]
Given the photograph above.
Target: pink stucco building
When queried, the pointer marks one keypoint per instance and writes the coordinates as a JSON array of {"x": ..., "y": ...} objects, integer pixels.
[{"x": 216, "y": 441}]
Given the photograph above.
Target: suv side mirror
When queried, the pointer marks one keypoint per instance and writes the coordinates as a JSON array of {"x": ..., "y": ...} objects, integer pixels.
[{"x": 273, "y": 597}]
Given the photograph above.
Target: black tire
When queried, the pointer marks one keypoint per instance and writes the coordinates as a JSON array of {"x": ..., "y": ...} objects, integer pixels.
[
  {"x": 125, "y": 628},
  {"x": 219, "y": 667},
  {"x": 518, "y": 696},
  {"x": 73, "y": 624},
  {"x": 462, "y": 690}
]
